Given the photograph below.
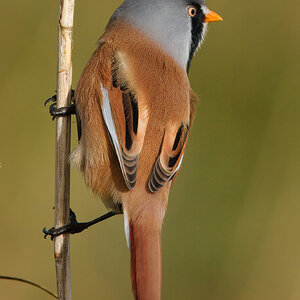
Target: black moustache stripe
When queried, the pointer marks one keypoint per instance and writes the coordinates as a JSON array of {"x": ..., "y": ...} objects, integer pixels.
[{"x": 197, "y": 31}]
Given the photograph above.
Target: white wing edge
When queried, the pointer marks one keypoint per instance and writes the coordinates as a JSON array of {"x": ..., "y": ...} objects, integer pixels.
[
  {"x": 179, "y": 165},
  {"x": 127, "y": 229},
  {"x": 108, "y": 119}
]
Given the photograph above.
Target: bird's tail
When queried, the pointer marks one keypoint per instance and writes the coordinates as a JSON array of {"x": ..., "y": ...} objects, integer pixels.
[{"x": 145, "y": 248}]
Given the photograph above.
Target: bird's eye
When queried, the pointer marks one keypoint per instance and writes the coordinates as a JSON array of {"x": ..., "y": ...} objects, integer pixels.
[{"x": 192, "y": 11}]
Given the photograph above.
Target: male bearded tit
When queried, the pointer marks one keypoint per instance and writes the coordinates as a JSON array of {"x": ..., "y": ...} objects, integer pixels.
[{"x": 136, "y": 109}]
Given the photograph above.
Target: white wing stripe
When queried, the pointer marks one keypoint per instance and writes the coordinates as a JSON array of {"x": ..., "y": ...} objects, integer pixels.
[
  {"x": 108, "y": 119},
  {"x": 179, "y": 165},
  {"x": 127, "y": 229}
]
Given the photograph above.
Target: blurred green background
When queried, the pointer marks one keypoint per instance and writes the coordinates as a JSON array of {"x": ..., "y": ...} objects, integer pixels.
[{"x": 232, "y": 230}]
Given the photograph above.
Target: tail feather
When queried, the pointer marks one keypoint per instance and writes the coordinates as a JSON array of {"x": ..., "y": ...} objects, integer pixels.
[{"x": 145, "y": 247}]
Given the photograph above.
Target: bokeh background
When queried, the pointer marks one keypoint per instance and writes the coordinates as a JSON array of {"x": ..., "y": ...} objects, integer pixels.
[{"x": 232, "y": 230}]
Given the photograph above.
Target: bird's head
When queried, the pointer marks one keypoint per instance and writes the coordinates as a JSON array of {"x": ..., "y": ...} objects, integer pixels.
[{"x": 178, "y": 26}]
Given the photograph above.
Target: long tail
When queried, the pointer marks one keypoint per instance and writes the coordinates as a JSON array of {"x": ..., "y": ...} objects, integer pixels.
[{"x": 145, "y": 247}]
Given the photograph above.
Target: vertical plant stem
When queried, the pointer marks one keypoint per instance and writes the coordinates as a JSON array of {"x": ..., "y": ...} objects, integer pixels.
[{"x": 63, "y": 136}]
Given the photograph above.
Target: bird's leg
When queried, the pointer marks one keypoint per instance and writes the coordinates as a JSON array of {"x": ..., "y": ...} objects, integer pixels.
[
  {"x": 64, "y": 111},
  {"x": 74, "y": 226}
]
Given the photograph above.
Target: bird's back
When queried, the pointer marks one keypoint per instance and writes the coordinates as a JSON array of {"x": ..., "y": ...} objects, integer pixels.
[{"x": 126, "y": 59}]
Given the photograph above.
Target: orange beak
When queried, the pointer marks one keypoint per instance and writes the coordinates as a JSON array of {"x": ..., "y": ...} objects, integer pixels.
[{"x": 212, "y": 17}]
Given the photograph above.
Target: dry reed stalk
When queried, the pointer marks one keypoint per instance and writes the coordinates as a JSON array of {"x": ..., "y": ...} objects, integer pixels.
[{"x": 63, "y": 136}]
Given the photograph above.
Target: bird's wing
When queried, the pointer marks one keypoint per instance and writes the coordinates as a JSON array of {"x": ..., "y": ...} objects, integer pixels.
[
  {"x": 171, "y": 156},
  {"x": 125, "y": 117}
]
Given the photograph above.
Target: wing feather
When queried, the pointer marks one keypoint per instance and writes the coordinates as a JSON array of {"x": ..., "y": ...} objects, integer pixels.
[
  {"x": 170, "y": 158},
  {"x": 110, "y": 124},
  {"x": 128, "y": 137}
]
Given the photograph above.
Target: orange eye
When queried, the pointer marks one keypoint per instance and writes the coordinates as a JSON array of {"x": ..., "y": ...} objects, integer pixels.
[{"x": 192, "y": 11}]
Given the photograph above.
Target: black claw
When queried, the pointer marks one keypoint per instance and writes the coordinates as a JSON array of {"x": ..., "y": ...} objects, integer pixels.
[
  {"x": 48, "y": 232},
  {"x": 52, "y": 99},
  {"x": 71, "y": 228},
  {"x": 62, "y": 111},
  {"x": 74, "y": 226}
]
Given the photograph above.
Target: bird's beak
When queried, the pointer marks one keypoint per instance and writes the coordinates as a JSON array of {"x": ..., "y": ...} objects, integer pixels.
[{"x": 212, "y": 17}]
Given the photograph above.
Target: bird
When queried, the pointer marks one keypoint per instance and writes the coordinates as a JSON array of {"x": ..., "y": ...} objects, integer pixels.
[{"x": 136, "y": 109}]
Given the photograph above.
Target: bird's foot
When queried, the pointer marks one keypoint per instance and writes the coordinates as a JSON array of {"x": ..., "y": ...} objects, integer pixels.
[
  {"x": 62, "y": 111},
  {"x": 74, "y": 226}
]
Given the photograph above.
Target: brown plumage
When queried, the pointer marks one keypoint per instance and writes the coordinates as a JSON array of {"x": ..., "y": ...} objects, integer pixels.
[
  {"x": 136, "y": 110},
  {"x": 152, "y": 115},
  {"x": 163, "y": 101}
]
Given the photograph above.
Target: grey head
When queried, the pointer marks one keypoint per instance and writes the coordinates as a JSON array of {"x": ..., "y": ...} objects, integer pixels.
[{"x": 168, "y": 23}]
